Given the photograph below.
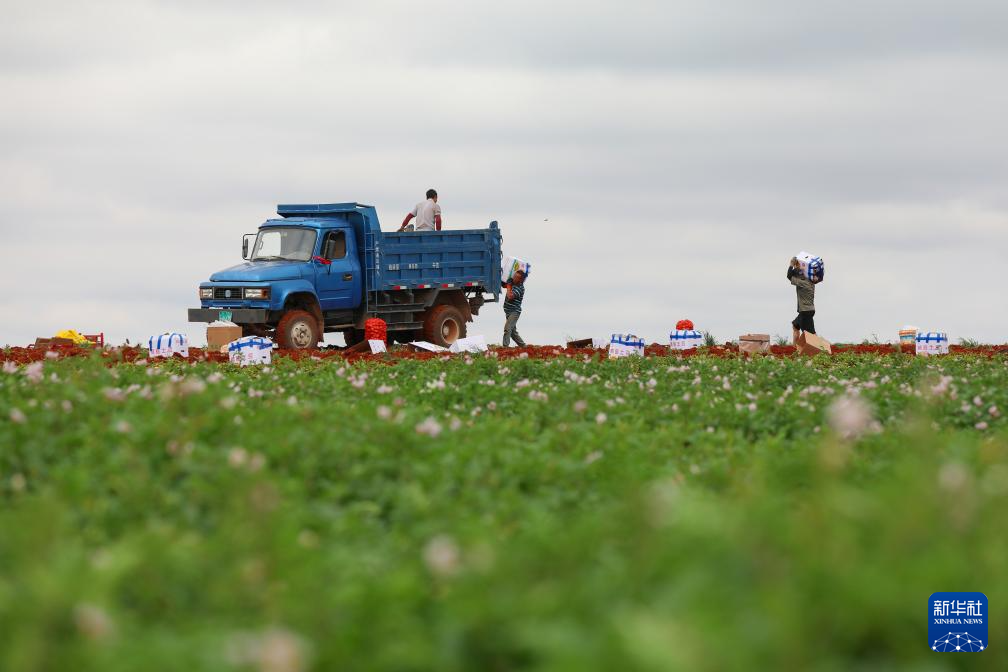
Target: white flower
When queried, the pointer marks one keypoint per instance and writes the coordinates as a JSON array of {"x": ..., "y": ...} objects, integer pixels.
[
  {"x": 114, "y": 394},
  {"x": 536, "y": 395},
  {"x": 66, "y": 406},
  {"x": 18, "y": 482},
  {"x": 850, "y": 417},
  {"x": 953, "y": 476},
  {"x": 50, "y": 354},
  {"x": 237, "y": 457},
  {"x": 385, "y": 389},
  {"x": 601, "y": 418},
  {"x": 593, "y": 456},
  {"x": 275, "y": 650},
  {"x": 33, "y": 372},
  {"x": 384, "y": 412},
  {"x": 92, "y": 621},
  {"x": 123, "y": 427},
  {"x": 982, "y": 426},
  {"x": 430, "y": 427},
  {"x": 580, "y": 406},
  {"x": 441, "y": 555},
  {"x": 191, "y": 386},
  {"x": 455, "y": 424},
  {"x": 228, "y": 403},
  {"x": 18, "y": 416},
  {"x": 10, "y": 367}
]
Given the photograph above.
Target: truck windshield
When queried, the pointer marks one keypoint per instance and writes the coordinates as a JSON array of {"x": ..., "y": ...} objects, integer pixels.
[{"x": 287, "y": 243}]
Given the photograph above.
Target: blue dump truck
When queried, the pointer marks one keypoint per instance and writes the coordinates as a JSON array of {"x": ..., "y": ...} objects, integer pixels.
[{"x": 329, "y": 267}]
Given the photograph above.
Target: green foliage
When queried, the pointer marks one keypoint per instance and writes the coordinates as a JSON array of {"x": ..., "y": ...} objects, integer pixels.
[
  {"x": 639, "y": 514},
  {"x": 709, "y": 340},
  {"x": 969, "y": 343}
]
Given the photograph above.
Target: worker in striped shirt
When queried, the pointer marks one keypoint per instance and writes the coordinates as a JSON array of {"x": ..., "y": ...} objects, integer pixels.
[{"x": 512, "y": 308}]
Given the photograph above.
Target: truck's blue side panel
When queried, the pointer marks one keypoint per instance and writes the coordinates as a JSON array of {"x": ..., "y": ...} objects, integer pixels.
[
  {"x": 412, "y": 259},
  {"x": 435, "y": 258}
]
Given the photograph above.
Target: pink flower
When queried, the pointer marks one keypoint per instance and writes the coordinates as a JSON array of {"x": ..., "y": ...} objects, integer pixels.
[
  {"x": 601, "y": 418},
  {"x": 430, "y": 427},
  {"x": 982, "y": 426},
  {"x": 441, "y": 555},
  {"x": 33, "y": 372},
  {"x": 18, "y": 416},
  {"x": 850, "y": 417}
]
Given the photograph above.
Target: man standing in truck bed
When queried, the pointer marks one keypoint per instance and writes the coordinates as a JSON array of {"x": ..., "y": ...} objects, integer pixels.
[
  {"x": 427, "y": 214},
  {"x": 512, "y": 308}
]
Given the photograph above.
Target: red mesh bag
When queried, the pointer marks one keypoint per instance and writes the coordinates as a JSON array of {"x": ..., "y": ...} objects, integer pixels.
[{"x": 375, "y": 330}]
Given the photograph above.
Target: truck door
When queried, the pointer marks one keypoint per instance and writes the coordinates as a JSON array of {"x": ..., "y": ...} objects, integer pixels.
[{"x": 338, "y": 284}]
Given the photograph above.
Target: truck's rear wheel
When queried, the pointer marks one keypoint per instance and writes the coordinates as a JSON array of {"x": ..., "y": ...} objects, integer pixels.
[
  {"x": 444, "y": 325},
  {"x": 297, "y": 330}
]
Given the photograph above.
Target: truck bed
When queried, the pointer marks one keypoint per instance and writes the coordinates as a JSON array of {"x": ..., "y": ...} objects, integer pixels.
[{"x": 458, "y": 258}]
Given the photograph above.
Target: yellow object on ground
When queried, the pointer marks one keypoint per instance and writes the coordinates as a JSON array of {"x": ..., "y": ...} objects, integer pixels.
[{"x": 73, "y": 336}]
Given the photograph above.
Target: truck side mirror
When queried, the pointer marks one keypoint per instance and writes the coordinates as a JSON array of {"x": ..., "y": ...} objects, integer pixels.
[{"x": 245, "y": 245}]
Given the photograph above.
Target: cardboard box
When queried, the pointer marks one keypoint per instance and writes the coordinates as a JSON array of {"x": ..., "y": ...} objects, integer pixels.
[
  {"x": 810, "y": 344},
  {"x": 754, "y": 344},
  {"x": 932, "y": 343},
  {"x": 470, "y": 344},
  {"x": 219, "y": 335},
  {"x": 511, "y": 264}
]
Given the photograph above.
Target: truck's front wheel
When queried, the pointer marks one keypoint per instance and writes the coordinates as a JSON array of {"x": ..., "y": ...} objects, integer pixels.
[
  {"x": 444, "y": 325},
  {"x": 297, "y": 330}
]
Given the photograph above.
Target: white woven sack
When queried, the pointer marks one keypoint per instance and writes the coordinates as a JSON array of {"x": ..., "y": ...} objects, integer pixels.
[
  {"x": 250, "y": 350},
  {"x": 166, "y": 345}
]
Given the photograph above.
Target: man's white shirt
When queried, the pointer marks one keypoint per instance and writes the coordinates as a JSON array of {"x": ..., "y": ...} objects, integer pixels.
[{"x": 425, "y": 212}]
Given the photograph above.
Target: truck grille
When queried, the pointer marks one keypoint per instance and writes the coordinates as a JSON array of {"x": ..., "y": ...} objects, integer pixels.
[{"x": 228, "y": 293}]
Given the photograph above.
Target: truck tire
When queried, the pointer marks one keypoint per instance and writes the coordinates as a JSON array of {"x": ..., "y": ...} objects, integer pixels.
[
  {"x": 444, "y": 325},
  {"x": 297, "y": 330}
]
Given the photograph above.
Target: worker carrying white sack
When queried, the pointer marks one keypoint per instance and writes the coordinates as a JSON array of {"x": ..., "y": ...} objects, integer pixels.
[{"x": 805, "y": 289}]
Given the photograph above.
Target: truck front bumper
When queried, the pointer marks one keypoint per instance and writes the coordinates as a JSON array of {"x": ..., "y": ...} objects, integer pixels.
[{"x": 236, "y": 315}]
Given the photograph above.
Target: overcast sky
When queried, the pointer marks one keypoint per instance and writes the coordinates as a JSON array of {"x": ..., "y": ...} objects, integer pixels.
[{"x": 654, "y": 160}]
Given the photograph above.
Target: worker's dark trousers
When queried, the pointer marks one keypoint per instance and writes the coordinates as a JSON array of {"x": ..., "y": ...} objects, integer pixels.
[{"x": 511, "y": 329}]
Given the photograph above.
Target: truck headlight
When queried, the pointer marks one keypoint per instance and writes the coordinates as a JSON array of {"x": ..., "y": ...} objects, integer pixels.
[
  {"x": 206, "y": 292},
  {"x": 257, "y": 292}
]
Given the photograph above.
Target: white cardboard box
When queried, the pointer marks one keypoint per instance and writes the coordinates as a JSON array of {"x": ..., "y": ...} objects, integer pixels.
[{"x": 470, "y": 344}]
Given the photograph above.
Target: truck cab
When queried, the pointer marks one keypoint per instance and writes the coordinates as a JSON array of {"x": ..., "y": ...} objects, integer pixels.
[{"x": 329, "y": 267}]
